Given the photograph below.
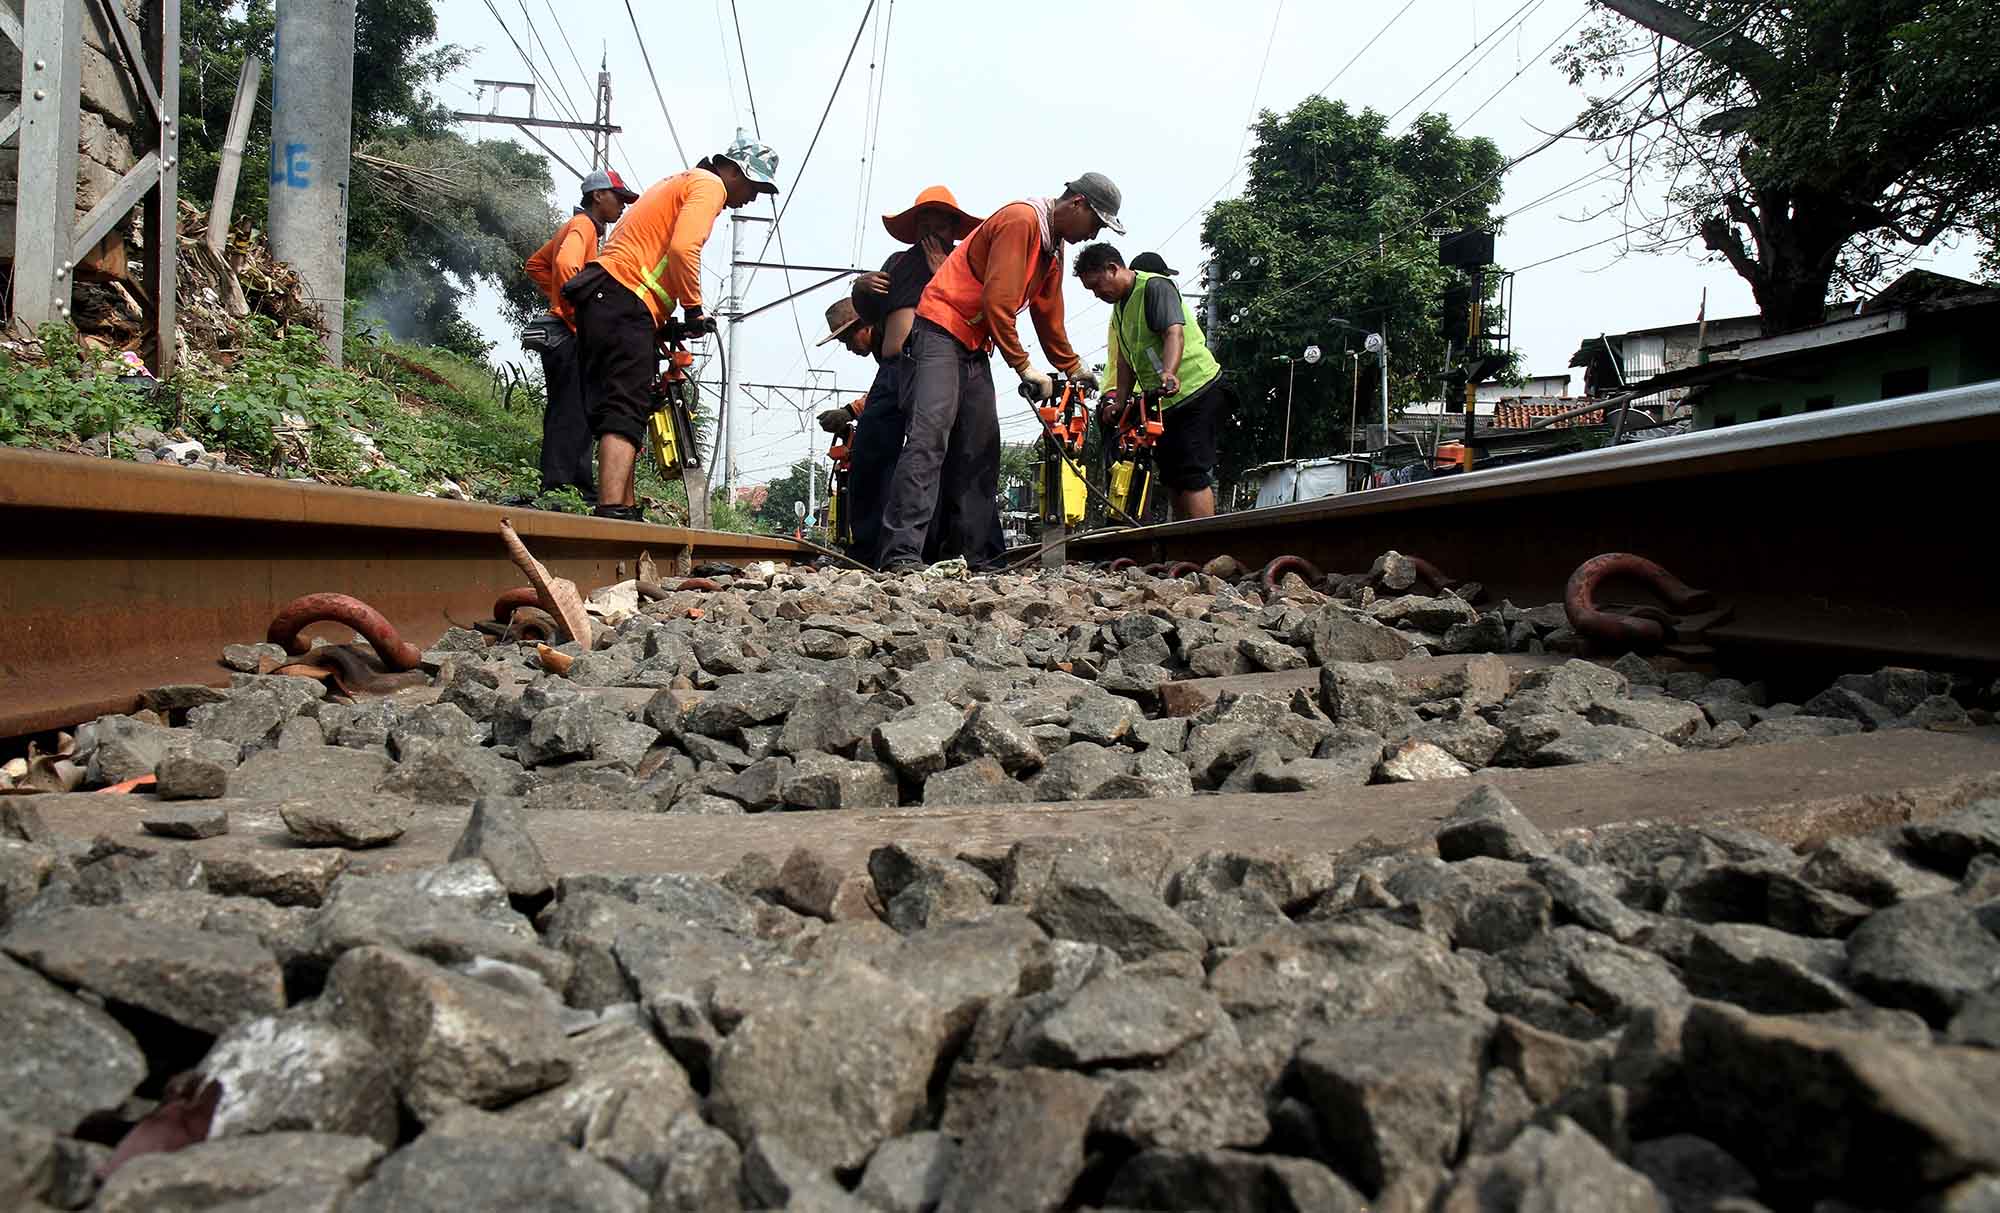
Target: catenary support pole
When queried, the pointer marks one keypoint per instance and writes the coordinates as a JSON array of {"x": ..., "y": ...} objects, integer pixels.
[
  {"x": 312, "y": 106},
  {"x": 45, "y": 203},
  {"x": 734, "y": 305}
]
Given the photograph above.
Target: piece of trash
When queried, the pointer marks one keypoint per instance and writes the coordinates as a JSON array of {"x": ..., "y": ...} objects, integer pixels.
[
  {"x": 552, "y": 661},
  {"x": 183, "y": 453},
  {"x": 119, "y": 789},
  {"x": 648, "y": 571},
  {"x": 614, "y": 603},
  {"x": 558, "y": 595},
  {"x": 954, "y": 569}
]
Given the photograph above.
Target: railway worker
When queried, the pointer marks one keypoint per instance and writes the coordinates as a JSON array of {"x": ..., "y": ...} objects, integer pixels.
[
  {"x": 887, "y": 300},
  {"x": 949, "y": 470},
  {"x": 1107, "y": 412},
  {"x": 1161, "y": 351},
  {"x": 566, "y": 455},
  {"x": 651, "y": 264}
]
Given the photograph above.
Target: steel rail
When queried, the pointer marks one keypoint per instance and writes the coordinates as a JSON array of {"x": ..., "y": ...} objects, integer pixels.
[
  {"x": 119, "y": 577},
  {"x": 1855, "y": 533}
]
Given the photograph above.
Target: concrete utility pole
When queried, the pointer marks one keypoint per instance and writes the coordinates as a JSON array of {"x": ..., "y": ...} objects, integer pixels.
[
  {"x": 730, "y": 309},
  {"x": 312, "y": 132}
]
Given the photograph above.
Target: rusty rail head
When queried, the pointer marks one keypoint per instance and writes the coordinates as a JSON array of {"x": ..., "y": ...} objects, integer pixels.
[
  {"x": 396, "y": 653},
  {"x": 1635, "y": 632}
]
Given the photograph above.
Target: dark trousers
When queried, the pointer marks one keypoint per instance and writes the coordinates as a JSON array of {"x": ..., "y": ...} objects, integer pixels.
[
  {"x": 948, "y": 475},
  {"x": 567, "y": 460},
  {"x": 878, "y": 441},
  {"x": 618, "y": 356}
]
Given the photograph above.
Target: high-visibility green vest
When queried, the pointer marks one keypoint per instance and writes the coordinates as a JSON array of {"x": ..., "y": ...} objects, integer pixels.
[{"x": 1146, "y": 349}]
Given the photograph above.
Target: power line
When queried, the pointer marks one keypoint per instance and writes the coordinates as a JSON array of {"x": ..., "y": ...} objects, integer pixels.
[
  {"x": 1237, "y": 167},
  {"x": 533, "y": 70},
  {"x": 1321, "y": 90},
  {"x": 859, "y": 29},
  {"x": 750, "y": 93},
  {"x": 1547, "y": 142},
  {"x": 1630, "y": 229},
  {"x": 562, "y": 99},
  {"x": 655, "y": 78},
  {"x": 744, "y": 58},
  {"x": 1494, "y": 33},
  {"x": 728, "y": 73},
  {"x": 878, "y": 87},
  {"x": 1509, "y": 82},
  {"x": 1494, "y": 43},
  {"x": 1588, "y": 178}
]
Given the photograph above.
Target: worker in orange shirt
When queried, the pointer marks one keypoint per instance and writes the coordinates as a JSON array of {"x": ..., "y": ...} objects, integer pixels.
[
  {"x": 949, "y": 470},
  {"x": 651, "y": 264},
  {"x": 566, "y": 460}
]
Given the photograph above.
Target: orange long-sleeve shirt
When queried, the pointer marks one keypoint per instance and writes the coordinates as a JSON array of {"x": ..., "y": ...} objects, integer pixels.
[
  {"x": 656, "y": 248},
  {"x": 556, "y": 262},
  {"x": 985, "y": 283}
]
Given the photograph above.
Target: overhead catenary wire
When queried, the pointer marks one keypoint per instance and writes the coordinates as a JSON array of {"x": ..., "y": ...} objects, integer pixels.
[
  {"x": 1626, "y": 234},
  {"x": 655, "y": 78},
  {"x": 793, "y": 192},
  {"x": 1492, "y": 43},
  {"x": 750, "y": 94},
  {"x": 1418, "y": 95},
  {"x": 1509, "y": 82},
  {"x": 878, "y": 86},
  {"x": 1365, "y": 47},
  {"x": 1547, "y": 142},
  {"x": 533, "y": 70},
  {"x": 562, "y": 99}
]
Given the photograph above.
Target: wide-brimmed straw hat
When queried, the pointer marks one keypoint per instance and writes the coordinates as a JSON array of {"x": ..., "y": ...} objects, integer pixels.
[
  {"x": 840, "y": 317},
  {"x": 903, "y": 224}
]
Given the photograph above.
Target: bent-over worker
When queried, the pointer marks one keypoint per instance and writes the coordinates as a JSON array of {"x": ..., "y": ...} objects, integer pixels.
[
  {"x": 950, "y": 464},
  {"x": 651, "y": 264}
]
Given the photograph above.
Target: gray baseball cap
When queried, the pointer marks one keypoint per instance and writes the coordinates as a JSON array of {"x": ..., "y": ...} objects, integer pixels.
[
  {"x": 609, "y": 181},
  {"x": 1104, "y": 198}
]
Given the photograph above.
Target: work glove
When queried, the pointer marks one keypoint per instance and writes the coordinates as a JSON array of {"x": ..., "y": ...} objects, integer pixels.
[
  {"x": 1036, "y": 385},
  {"x": 695, "y": 322},
  {"x": 1084, "y": 378},
  {"x": 835, "y": 421}
]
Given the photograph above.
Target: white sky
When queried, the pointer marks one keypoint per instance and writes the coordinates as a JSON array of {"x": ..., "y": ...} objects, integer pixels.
[{"x": 1003, "y": 103}]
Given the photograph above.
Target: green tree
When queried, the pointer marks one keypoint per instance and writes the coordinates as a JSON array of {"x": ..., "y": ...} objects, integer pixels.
[
  {"x": 781, "y": 495},
  {"x": 1305, "y": 246},
  {"x": 429, "y": 213},
  {"x": 1810, "y": 144}
]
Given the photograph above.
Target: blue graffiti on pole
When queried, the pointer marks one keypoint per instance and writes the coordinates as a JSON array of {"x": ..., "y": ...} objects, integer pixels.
[{"x": 295, "y": 171}]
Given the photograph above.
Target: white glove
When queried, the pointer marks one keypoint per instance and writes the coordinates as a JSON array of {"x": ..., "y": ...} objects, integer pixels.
[
  {"x": 1039, "y": 385},
  {"x": 1085, "y": 378}
]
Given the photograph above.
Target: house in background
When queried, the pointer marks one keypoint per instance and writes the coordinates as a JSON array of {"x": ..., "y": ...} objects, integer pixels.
[
  {"x": 1611, "y": 361},
  {"x": 1923, "y": 332}
]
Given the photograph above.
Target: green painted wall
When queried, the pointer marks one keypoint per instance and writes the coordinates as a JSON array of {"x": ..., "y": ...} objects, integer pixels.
[{"x": 1852, "y": 374}]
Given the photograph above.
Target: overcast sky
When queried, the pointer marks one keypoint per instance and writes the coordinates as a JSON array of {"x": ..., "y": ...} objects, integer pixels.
[{"x": 1004, "y": 103}]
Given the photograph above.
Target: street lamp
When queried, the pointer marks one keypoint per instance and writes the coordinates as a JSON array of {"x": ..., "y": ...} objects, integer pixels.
[
  {"x": 1375, "y": 343},
  {"x": 1310, "y": 356}
]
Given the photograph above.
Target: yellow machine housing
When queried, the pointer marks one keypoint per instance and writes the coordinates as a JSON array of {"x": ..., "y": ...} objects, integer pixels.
[
  {"x": 666, "y": 449},
  {"x": 1121, "y": 482},
  {"x": 1070, "y": 484}
]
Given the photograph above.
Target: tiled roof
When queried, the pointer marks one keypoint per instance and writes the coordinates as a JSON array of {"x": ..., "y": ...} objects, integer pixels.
[{"x": 1517, "y": 416}]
